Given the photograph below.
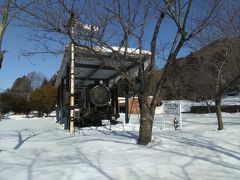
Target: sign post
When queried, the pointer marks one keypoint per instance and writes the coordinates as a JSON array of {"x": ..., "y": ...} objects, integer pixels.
[
  {"x": 172, "y": 109},
  {"x": 72, "y": 69},
  {"x": 72, "y": 23}
]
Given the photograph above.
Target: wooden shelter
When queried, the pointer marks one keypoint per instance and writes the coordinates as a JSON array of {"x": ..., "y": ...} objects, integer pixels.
[{"x": 82, "y": 67}]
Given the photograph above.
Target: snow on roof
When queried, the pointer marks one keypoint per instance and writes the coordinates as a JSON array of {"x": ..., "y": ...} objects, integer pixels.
[
  {"x": 112, "y": 49},
  {"x": 86, "y": 62},
  {"x": 122, "y": 50}
]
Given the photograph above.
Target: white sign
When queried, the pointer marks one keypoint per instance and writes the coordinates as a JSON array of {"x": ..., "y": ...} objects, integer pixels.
[{"x": 171, "y": 108}]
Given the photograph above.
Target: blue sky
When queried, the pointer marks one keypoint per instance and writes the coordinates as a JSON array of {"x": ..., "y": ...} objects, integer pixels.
[
  {"x": 14, "y": 65},
  {"x": 16, "y": 40}
]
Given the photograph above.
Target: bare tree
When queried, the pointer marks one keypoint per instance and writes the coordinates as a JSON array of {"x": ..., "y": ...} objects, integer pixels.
[
  {"x": 224, "y": 73},
  {"x": 125, "y": 24},
  {"x": 179, "y": 12},
  {"x": 4, "y": 13},
  {"x": 224, "y": 61},
  {"x": 36, "y": 79},
  {"x": 8, "y": 12},
  {"x": 216, "y": 65}
]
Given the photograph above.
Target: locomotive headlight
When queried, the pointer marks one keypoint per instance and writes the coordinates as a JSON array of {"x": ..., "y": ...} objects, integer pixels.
[{"x": 100, "y": 95}]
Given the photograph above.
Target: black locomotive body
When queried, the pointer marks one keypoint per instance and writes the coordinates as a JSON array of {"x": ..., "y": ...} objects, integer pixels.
[{"x": 95, "y": 103}]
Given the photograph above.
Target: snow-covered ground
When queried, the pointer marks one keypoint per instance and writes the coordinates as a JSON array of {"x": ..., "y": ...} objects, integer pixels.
[
  {"x": 186, "y": 105},
  {"x": 39, "y": 149}
]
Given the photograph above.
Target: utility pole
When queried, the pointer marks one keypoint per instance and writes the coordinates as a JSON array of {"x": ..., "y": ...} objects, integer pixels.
[{"x": 72, "y": 71}]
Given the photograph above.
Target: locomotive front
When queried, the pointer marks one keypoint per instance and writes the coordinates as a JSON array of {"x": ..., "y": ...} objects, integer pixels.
[
  {"x": 100, "y": 95},
  {"x": 98, "y": 102}
]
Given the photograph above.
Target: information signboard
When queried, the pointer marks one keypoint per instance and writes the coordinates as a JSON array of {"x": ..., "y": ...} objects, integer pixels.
[{"x": 172, "y": 109}]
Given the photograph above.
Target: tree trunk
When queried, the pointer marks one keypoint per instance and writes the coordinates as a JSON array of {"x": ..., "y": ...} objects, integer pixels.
[
  {"x": 219, "y": 114},
  {"x": 146, "y": 123}
]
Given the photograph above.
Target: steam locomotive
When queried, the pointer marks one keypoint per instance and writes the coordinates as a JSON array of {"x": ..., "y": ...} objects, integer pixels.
[{"x": 95, "y": 103}]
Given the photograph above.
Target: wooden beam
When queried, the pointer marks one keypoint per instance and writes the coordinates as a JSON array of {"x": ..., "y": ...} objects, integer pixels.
[
  {"x": 90, "y": 79},
  {"x": 93, "y": 66}
]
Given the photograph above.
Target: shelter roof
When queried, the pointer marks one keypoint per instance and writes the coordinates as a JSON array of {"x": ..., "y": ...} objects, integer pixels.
[{"x": 100, "y": 64}]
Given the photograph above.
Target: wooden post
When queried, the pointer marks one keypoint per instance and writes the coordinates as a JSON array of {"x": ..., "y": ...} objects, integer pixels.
[
  {"x": 61, "y": 101},
  {"x": 116, "y": 101},
  {"x": 180, "y": 114},
  {"x": 72, "y": 69},
  {"x": 126, "y": 105},
  {"x": 58, "y": 104}
]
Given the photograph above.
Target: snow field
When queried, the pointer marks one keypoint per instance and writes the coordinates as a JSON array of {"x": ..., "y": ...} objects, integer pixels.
[{"x": 35, "y": 149}]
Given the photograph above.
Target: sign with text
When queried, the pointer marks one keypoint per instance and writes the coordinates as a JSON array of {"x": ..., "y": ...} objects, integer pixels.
[
  {"x": 170, "y": 117},
  {"x": 171, "y": 108}
]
